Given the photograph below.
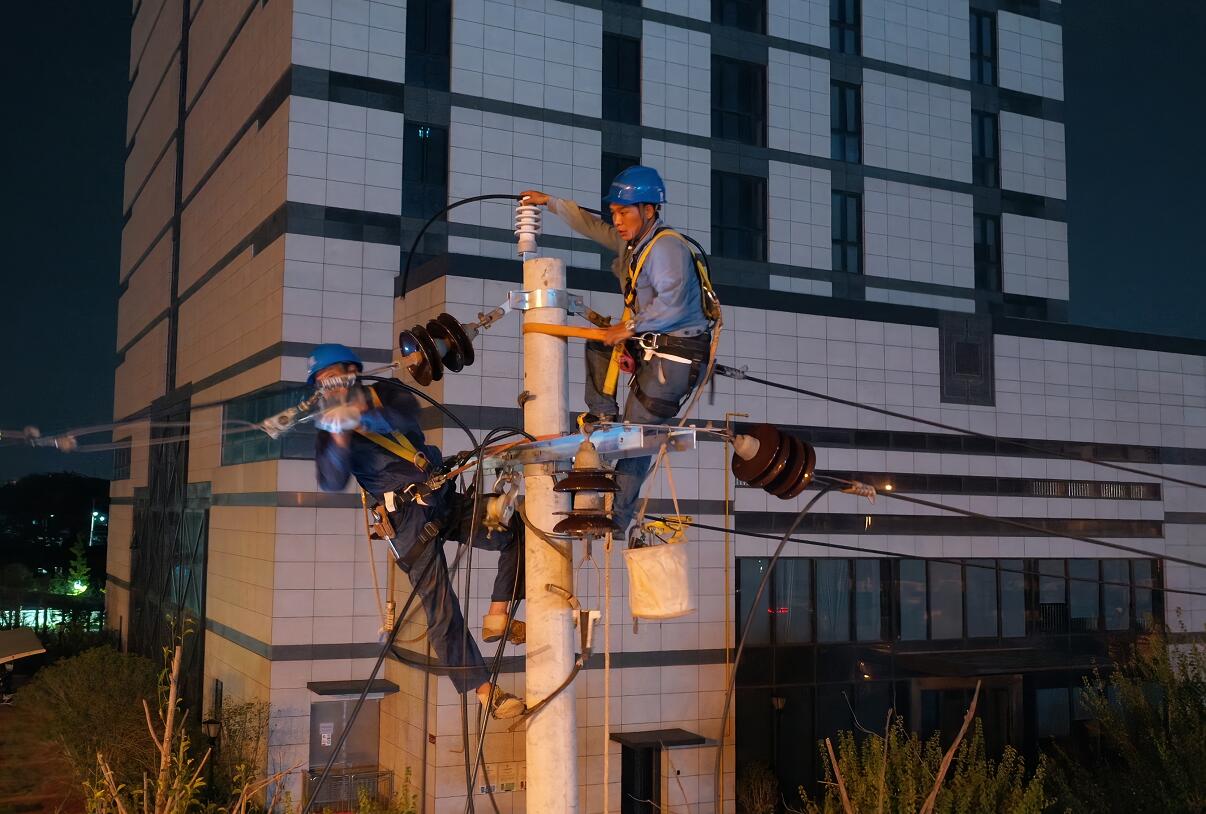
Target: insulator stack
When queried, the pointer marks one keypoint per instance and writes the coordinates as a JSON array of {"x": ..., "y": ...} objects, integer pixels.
[
  {"x": 527, "y": 227},
  {"x": 442, "y": 343},
  {"x": 589, "y": 482},
  {"x": 774, "y": 461}
]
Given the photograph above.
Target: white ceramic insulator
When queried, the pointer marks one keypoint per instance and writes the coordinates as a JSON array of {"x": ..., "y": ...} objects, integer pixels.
[
  {"x": 746, "y": 446},
  {"x": 527, "y": 227}
]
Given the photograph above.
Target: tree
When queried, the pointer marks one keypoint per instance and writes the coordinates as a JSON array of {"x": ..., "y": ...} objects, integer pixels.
[
  {"x": 79, "y": 574},
  {"x": 1147, "y": 750}
]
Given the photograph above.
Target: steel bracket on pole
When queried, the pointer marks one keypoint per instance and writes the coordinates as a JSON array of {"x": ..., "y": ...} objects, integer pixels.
[
  {"x": 616, "y": 441},
  {"x": 546, "y": 298}
]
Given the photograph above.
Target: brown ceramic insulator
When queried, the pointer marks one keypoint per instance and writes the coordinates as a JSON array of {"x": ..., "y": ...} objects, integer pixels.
[
  {"x": 464, "y": 345},
  {"x": 452, "y": 357},
  {"x": 408, "y": 345},
  {"x": 587, "y": 480},
  {"x": 768, "y": 439},
  {"x": 796, "y": 461},
  {"x": 586, "y": 522},
  {"x": 810, "y": 464}
]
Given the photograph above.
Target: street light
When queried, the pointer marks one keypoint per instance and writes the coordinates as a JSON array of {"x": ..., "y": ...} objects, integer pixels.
[{"x": 211, "y": 728}]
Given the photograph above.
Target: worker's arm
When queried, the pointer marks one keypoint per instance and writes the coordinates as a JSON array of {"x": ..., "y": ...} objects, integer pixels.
[
  {"x": 333, "y": 461},
  {"x": 669, "y": 270},
  {"x": 582, "y": 222}
]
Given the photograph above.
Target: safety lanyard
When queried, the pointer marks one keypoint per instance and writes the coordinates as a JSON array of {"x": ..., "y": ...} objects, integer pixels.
[{"x": 397, "y": 443}]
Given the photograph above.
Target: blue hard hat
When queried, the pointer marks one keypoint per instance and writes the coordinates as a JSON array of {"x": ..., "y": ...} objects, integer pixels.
[
  {"x": 637, "y": 185},
  {"x": 332, "y": 353}
]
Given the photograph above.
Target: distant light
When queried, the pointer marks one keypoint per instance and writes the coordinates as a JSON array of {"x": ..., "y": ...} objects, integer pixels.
[
  {"x": 888, "y": 487},
  {"x": 101, "y": 518},
  {"x": 78, "y": 587},
  {"x": 95, "y": 514}
]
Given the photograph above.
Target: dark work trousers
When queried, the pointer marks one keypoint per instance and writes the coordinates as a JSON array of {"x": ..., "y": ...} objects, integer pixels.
[{"x": 445, "y": 622}]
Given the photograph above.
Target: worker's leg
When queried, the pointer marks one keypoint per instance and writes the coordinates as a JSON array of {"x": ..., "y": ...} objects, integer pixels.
[
  {"x": 598, "y": 358},
  {"x": 509, "y": 578},
  {"x": 659, "y": 389}
]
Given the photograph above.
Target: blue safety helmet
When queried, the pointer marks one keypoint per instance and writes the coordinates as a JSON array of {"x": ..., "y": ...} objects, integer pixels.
[
  {"x": 637, "y": 185},
  {"x": 332, "y": 353}
]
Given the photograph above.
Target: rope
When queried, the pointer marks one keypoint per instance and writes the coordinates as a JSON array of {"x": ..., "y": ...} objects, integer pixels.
[{"x": 607, "y": 673}]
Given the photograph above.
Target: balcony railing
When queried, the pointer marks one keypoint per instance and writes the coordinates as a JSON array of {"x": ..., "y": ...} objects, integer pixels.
[{"x": 341, "y": 790}]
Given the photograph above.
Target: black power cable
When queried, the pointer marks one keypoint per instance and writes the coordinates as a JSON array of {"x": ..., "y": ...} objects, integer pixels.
[{"x": 410, "y": 256}]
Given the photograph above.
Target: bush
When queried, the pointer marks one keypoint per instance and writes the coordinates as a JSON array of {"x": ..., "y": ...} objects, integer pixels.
[
  {"x": 757, "y": 790},
  {"x": 974, "y": 784},
  {"x": 242, "y": 750},
  {"x": 93, "y": 702}
]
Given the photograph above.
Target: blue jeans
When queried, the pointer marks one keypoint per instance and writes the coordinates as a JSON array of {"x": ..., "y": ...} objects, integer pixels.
[
  {"x": 456, "y": 650},
  {"x": 655, "y": 398}
]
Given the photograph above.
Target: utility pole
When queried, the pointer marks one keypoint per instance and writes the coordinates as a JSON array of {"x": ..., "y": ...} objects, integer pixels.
[{"x": 552, "y": 735}]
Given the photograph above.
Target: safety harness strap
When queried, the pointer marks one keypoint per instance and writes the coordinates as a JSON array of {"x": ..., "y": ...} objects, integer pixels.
[{"x": 397, "y": 443}]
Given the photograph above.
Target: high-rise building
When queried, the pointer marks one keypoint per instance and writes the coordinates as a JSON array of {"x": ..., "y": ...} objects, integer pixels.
[{"x": 881, "y": 186}]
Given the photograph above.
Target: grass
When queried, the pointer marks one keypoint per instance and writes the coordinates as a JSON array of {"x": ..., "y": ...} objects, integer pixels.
[{"x": 34, "y": 777}]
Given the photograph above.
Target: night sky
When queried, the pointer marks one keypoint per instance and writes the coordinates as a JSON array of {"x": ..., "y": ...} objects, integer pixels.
[{"x": 1135, "y": 116}]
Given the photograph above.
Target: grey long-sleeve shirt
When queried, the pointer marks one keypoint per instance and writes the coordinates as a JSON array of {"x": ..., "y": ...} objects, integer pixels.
[{"x": 668, "y": 298}]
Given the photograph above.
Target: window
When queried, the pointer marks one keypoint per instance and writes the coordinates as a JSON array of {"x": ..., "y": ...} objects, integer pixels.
[
  {"x": 833, "y": 600},
  {"x": 983, "y": 47},
  {"x": 621, "y": 79},
  {"x": 749, "y": 574},
  {"x": 845, "y": 122},
  {"x": 241, "y": 444},
  {"x": 428, "y": 43},
  {"x": 791, "y": 607},
  {"x": 847, "y": 219},
  {"x": 987, "y": 230},
  {"x": 868, "y": 600},
  {"x": 121, "y": 460},
  {"x": 946, "y": 601},
  {"x": 844, "y": 26},
  {"x": 738, "y": 216},
  {"x": 739, "y": 101},
  {"x": 424, "y": 169},
  {"x": 1051, "y": 713},
  {"x": 912, "y": 600},
  {"x": 981, "y": 598},
  {"x": 1082, "y": 595},
  {"x": 1052, "y": 598},
  {"x": 1143, "y": 578},
  {"x": 1013, "y": 598},
  {"x": 748, "y": 15},
  {"x": 611, "y": 165},
  {"x": 1116, "y": 597},
  {"x": 984, "y": 148}
]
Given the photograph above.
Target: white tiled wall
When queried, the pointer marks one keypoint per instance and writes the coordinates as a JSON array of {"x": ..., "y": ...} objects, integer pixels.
[
  {"x": 797, "y": 103},
  {"x": 545, "y": 54},
  {"x": 1031, "y": 55},
  {"x": 361, "y": 37},
  {"x": 494, "y": 153},
  {"x": 1034, "y": 256},
  {"x": 339, "y": 291},
  {"x": 1032, "y": 155},
  {"x": 699, "y": 9},
  {"x": 687, "y": 172},
  {"x": 918, "y": 299},
  {"x": 676, "y": 79},
  {"x": 915, "y": 126},
  {"x": 345, "y": 156},
  {"x": 799, "y": 229},
  {"x": 799, "y": 20},
  {"x": 927, "y": 34},
  {"x": 918, "y": 233}
]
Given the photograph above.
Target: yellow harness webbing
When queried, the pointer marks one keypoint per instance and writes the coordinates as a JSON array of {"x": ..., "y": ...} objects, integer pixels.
[{"x": 397, "y": 443}]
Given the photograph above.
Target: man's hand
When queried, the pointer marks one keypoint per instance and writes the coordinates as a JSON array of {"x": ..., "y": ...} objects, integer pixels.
[
  {"x": 534, "y": 196},
  {"x": 617, "y": 333}
]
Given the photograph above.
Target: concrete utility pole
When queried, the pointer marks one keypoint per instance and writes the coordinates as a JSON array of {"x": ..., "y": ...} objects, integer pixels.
[{"x": 552, "y": 736}]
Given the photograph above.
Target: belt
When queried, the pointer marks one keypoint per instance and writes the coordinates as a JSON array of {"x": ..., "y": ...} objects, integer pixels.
[{"x": 684, "y": 350}]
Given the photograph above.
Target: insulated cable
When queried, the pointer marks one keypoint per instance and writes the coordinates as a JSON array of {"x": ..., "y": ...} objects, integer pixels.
[{"x": 410, "y": 256}]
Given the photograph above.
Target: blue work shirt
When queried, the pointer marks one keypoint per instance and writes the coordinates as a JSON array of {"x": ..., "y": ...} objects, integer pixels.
[
  {"x": 374, "y": 467},
  {"x": 668, "y": 298}
]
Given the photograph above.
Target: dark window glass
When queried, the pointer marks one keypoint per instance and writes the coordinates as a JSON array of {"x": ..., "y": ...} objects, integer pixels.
[
  {"x": 428, "y": 43},
  {"x": 1051, "y": 714},
  {"x": 968, "y": 361},
  {"x": 621, "y": 79},
  {"x": 912, "y": 600},
  {"x": 984, "y": 148},
  {"x": 845, "y": 122},
  {"x": 748, "y": 15},
  {"x": 424, "y": 170},
  {"x": 738, "y": 216},
  {"x": 739, "y": 101},
  {"x": 1082, "y": 594},
  {"x": 844, "y": 26},
  {"x": 792, "y": 606},
  {"x": 981, "y": 598},
  {"x": 241, "y": 445},
  {"x": 833, "y": 600},
  {"x": 1116, "y": 598},
  {"x": 121, "y": 461},
  {"x": 983, "y": 47},
  {"x": 749, "y": 573},
  {"x": 868, "y": 600},
  {"x": 1143, "y": 578},
  {"x": 847, "y": 217},
  {"x": 946, "y": 601},
  {"x": 612, "y": 164},
  {"x": 1052, "y": 597},
  {"x": 987, "y": 231},
  {"x": 1013, "y": 598}
]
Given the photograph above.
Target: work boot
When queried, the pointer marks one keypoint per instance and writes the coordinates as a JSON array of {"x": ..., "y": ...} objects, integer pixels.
[
  {"x": 492, "y": 629},
  {"x": 589, "y": 422},
  {"x": 502, "y": 705}
]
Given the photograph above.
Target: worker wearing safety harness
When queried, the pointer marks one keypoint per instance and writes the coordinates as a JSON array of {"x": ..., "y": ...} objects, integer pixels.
[
  {"x": 669, "y": 310},
  {"x": 372, "y": 433}
]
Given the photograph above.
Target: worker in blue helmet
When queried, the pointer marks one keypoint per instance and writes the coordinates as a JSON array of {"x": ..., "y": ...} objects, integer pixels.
[
  {"x": 371, "y": 432},
  {"x": 665, "y": 331}
]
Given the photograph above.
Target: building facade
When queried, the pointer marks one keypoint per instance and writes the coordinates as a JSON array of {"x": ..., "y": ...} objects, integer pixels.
[{"x": 881, "y": 187}]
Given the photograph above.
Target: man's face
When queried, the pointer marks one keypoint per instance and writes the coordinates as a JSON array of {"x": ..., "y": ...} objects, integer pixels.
[
  {"x": 334, "y": 371},
  {"x": 630, "y": 220}
]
